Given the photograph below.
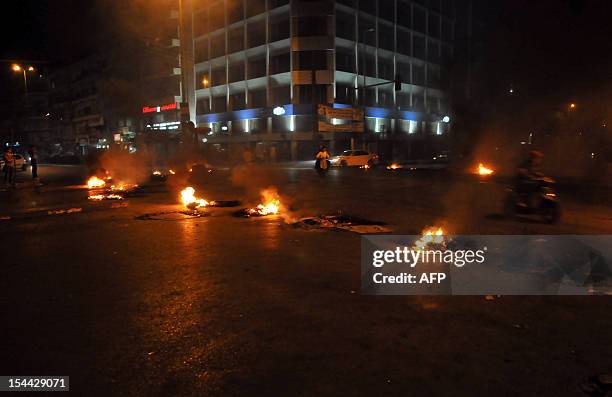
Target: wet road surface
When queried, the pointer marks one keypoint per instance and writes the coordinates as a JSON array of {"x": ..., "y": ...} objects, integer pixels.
[{"x": 224, "y": 306}]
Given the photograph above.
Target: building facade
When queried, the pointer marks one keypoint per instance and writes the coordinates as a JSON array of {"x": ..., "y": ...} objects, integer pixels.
[{"x": 263, "y": 67}]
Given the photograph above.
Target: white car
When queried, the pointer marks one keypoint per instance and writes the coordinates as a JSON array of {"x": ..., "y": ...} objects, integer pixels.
[
  {"x": 354, "y": 158},
  {"x": 20, "y": 162}
]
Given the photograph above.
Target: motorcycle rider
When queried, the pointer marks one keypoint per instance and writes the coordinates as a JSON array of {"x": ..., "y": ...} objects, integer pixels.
[
  {"x": 528, "y": 173},
  {"x": 322, "y": 159}
]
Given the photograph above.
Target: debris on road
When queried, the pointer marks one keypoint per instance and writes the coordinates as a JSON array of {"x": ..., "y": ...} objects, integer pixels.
[
  {"x": 172, "y": 215},
  {"x": 343, "y": 222},
  {"x": 64, "y": 211}
]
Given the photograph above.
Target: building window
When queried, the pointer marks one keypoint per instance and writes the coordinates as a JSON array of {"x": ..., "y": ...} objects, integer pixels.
[
  {"x": 217, "y": 16},
  {"x": 218, "y": 76},
  {"x": 403, "y": 42},
  {"x": 235, "y": 39},
  {"x": 420, "y": 23},
  {"x": 237, "y": 101},
  {"x": 310, "y": 26},
  {"x": 281, "y": 95},
  {"x": 256, "y": 32},
  {"x": 344, "y": 93},
  {"x": 279, "y": 27},
  {"x": 278, "y": 3},
  {"x": 255, "y": 7},
  {"x": 202, "y": 80},
  {"x": 433, "y": 77},
  {"x": 433, "y": 51},
  {"x": 309, "y": 60},
  {"x": 236, "y": 72},
  {"x": 418, "y": 74},
  {"x": 434, "y": 25},
  {"x": 345, "y": 25},
  {"x": 418, "y": 48},
  {"x": 404, "y": 13},
  {"x": 367, "y": 64},
  {"x": 385, "y": 37},
  {"x": 418, "y": 101},
  {"x": 200, "y": 23},
  {"x": 256, "y": 67},
  {"x": 385, "y": 69},
  {"x": 305, "y": 94},
  {"x": 201, "y": 51},
  {"x": 386, "y": 9},
  {"x": 219, "y": 104},
  {"x": 203, "y": 106},
  {"x": 235, "y": 11},
  {"x": 366, "y": 36},
  {"x": 370, "y": 96},
  {"x": 258, "y": 98},
  {"x": 385, "y": 97},
  {"x": 345, "y": 60},
  {"x": 403, "y": 69},
  {"x": 403, "y": 100},
  {"x": 280, "y": 63},
  {"x": 217, "y": 46},
  {"x": 368, "y": 6}
]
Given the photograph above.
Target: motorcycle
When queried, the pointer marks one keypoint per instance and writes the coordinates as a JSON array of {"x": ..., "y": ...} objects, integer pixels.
[
  {"x": 543, "y": 201},
  {"x": 322, "y": 171}
]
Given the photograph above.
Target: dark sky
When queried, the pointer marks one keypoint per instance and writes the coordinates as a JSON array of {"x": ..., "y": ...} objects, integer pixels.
[{"x": 542, "y": 47}]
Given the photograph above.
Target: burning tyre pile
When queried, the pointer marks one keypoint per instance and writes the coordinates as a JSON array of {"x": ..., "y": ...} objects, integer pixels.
[
  {"x": 100, "y": 189},
  {"x": 271, "y": 206}
]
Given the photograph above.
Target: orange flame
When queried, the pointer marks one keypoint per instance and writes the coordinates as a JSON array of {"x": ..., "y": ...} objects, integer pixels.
[
  {"x": 271, "y": 205},
  {"x": 95, "y": 182},
  {"x": 430, "y": 235},
  {"x": 189, "y": 199},
  {"x": 484, "y": 170}
]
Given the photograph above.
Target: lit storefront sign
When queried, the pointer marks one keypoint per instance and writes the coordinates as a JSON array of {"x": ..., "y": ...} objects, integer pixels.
[{"x": 157, "y": 109}]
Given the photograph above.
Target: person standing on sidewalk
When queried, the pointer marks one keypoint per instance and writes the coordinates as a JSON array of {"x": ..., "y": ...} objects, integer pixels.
[
  {"x": 34, "y": 162},
  {"x": 9, "y": 166}
]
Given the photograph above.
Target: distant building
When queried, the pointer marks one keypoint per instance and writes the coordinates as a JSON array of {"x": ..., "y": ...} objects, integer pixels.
[{"x": 254, "y": 63}]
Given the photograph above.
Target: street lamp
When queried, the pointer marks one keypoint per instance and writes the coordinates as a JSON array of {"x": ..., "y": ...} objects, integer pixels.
[
  {"x": 18, "y": 68},
  {"x": 572, "y": 106}
]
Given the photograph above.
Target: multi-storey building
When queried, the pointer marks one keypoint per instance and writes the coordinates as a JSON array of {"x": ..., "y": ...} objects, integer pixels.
[{"x": 263, "y": 66}]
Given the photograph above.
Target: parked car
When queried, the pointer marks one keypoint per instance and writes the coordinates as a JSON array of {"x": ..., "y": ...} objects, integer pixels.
[
  {"x": 20, "y": 162},
  {"x": 354, "y": 158}
]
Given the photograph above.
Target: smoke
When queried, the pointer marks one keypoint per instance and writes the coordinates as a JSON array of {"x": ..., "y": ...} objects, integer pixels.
[
  {"x": 259, "y": 186},
  {"x": 124, "y": 167}
]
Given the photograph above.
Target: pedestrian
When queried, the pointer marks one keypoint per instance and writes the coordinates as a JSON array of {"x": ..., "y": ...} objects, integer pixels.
[
  {"x": 34, "y": 162},
  {"x": 322, "y": 161},
  {"x": 9, "y": 166}
]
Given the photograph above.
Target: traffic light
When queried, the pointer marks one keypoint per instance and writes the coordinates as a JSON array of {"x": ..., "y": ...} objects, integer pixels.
[{"x": 398, "y": 82}]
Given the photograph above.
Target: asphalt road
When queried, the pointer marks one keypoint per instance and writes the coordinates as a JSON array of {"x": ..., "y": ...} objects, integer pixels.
[{"x": 224, "y": 306}]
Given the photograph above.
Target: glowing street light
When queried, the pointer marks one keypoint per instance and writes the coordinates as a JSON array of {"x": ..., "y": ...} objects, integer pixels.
[
  {"x": 572, "y": 106},
  {"x": 18, "y": 68}
]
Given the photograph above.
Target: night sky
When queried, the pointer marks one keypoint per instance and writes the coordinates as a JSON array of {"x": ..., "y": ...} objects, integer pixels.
[{"x": 544, "y": 48}]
